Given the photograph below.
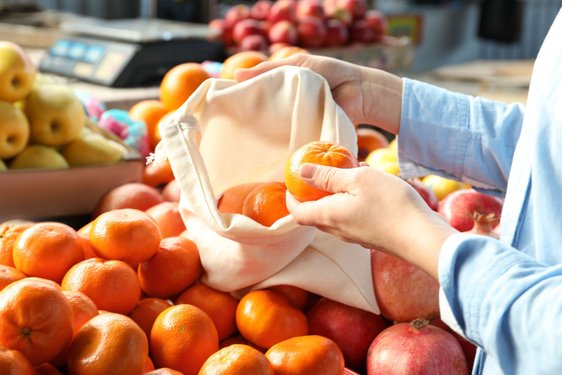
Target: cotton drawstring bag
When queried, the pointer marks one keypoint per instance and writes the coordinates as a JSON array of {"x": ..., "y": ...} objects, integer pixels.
[{"x": 230, "y": 133}]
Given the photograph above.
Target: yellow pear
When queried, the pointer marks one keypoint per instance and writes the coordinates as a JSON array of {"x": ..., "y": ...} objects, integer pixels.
[
  {"x": 14, "y": 130},
  {"x": 17, "y": 72},
  {"x": 3, "y": 166},
  {"x": 39, "y": 157},
  {"x": 92, "y": 148},
  {"x": 56, "y": 115}
]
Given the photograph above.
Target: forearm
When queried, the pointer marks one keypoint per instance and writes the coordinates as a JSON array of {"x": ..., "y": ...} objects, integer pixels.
[{"x": 382, "y": 99}]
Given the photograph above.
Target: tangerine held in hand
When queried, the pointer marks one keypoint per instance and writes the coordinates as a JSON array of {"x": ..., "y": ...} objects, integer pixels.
[{"x": 316, "y": 152}]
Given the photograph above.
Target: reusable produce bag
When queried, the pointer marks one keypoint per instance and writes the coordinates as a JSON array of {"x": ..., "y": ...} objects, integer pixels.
[{"x": 229, "y": 133}]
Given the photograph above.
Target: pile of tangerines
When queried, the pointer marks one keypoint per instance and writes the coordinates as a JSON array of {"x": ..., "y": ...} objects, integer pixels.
[{"x": 122, "y": 294}]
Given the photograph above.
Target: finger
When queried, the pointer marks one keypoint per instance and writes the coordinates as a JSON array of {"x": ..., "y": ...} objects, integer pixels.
[
  {"x": 290, "y": 201},
  {"x": 330, "y": 179},
  {"x": 243, "y": 74}
]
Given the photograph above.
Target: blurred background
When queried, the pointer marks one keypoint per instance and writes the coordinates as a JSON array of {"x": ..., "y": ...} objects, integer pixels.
[{"x": 446, "y": 31}]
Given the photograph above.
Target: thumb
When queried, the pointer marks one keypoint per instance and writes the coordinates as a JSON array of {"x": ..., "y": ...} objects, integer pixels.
[{"x": 330, "y": 179}]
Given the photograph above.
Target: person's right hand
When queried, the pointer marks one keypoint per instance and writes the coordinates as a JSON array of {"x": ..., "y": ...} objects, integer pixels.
[
  {"x": 374, "y": 209},
  {"x": 367, "y": 95}
]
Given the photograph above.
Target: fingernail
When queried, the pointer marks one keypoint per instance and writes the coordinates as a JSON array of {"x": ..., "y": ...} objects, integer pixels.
[{"x": 307, "y": 170}]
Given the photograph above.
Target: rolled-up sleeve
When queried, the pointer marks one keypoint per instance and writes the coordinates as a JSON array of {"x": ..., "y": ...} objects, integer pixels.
[
  {"x": 503, "y": 300},
  {"x": 457, "y": 136}
]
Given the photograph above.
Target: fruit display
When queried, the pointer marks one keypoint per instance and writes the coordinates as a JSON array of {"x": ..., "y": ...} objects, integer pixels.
[
  {"x": 125, "y": 293},
  {"x": 266, "y": 25}
]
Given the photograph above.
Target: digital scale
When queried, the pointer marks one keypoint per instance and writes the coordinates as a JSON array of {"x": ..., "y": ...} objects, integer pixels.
[{"x": 128, "y": 52}]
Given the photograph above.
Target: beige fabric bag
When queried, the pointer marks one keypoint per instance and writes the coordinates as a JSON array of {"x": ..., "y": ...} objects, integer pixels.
[{"x": 229, "y": 133}]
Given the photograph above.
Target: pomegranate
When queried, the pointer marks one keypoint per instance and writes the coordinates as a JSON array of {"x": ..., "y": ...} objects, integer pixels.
[
  {"x": 404, "y": 292},
  {"x": 485, "y": 225},
  {"x": 416, "y": 348},
  {"x": 351, "y": 328},
  {"x": 468, "y": 348},
  {"x": 460, "y": 207}
]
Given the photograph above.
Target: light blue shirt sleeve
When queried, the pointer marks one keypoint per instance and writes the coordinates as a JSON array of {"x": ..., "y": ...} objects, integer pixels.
[
  {"x": 457, "y": 136},
  {"x": 501, "y": 299}
]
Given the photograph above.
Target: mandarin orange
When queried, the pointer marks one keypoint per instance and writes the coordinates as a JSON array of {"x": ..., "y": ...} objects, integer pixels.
[
  {"x": 369, "y": 139},
  {"x": 231, "y": 201},
  {"x": 147, "y": 310},
  {"x": 150, "y": 111},
  {"x": 126, "y": 234},
  {"x": 47, "y": 250},
  {"x": 310, "y": 355},
  {"x": 26, "y": 325},
  {"x": 9, "y": 232},
  {"x": 317, "y": 152},
  {"x": 220, "y": 306},
  {"x": 180, "y": 82},
  {"x": 111, "y": 284},
  {"x": 13, "y": 362},
  {"x": 8, "y": 275},
  {"x": 265, "y": 317},
  {"x": 173, "y": 268},
  {"x": 242, "y": 59},
  {"x": 182, "y": 338},
  {"x": 108, "y": 343},
  {"x": 266, "y": 203},
  {"x": 237, "y": 359},
  {"x": 168, "y": 217}
]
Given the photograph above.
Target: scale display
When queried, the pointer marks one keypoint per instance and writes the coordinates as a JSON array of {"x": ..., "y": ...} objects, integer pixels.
[{"x": 128, "y": 53}]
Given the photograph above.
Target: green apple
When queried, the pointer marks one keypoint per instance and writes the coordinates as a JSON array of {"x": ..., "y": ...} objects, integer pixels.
[
  {"x": 14, "y": 130},
  {"x": 39, "y": 157},
  {"x": 17, "y": 72},
  {"x": 92, "y": 148},
  {"x": 3, "y": 166},
  {"x": 56, "y": 115}
]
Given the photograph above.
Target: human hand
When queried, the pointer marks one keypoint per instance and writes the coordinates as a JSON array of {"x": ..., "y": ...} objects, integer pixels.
[
  {"x": 373, "y": 209},
  {"x": 366, "y": 95}
]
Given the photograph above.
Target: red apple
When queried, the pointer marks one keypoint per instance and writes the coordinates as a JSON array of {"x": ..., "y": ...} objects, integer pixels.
[
  {"x": 311, "y": 32},
  {"x": 337, "y": 33},
  {"x": 404, "y": 292},
  {"x": 415, "y": 348},
  {"x": 283, "y": 10},
  {"x": 260, "y": 9},
  {"x": 313, "y": 8},
  {"x": 377, "y": 22},
  {"x": 426, "y": 193},
  {"x": 247, "y": 27},
  {"x": 351, "y": 328},
  {"x": 361, "y": 32},
  {"x": 224, "y": 31},
  {"x": 460, "y": 208},
  {"x": 254, "y": 42},
  {"x": 235, "y": 14},
  {"x": 358, "y": 8},
  {"x": 283, "y": 32}
]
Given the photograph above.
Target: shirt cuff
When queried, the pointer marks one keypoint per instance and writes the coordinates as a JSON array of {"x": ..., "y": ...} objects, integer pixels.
[{"x": 434, "y": 137}]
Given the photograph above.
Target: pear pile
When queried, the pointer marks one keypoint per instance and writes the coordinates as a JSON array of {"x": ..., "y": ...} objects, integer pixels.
[{"x": 44, "y": 125}]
